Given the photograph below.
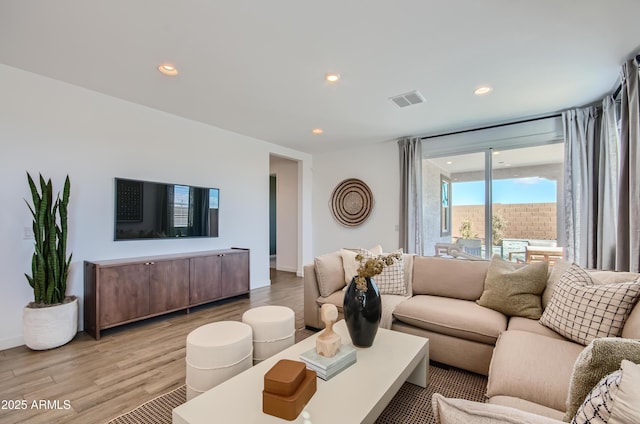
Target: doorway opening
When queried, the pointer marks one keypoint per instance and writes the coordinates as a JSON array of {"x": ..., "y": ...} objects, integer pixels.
[{"x": 283, "y": 214}]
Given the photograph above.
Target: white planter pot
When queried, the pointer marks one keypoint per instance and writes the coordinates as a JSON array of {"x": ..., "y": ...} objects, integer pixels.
[{"x": 53, "y": 326}]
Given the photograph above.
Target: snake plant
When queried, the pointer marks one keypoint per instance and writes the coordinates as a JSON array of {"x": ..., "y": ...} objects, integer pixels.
[{"x": 49, "y": 265}]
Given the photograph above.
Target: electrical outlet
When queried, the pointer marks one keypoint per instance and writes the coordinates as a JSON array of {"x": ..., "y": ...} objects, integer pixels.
[{"x": 28, "y": 233}]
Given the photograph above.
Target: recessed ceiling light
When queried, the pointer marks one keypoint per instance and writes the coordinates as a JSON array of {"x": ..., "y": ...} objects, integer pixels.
[
  {"x": 496, "y": 152},
  {"x": 168, "y": 69},
  {"x": 317, "y": 131},
  {"x": 332, "y": 77},
  {"x": 449, "y": 162},
  {"x": 485, "y": 89}
]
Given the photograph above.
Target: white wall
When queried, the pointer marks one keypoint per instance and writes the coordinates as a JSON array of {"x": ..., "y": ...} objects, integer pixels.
[
  {"x": 55, "y": 128},
  {"x": 286, "y": 172},
  {"x": 376, "y": 165}
]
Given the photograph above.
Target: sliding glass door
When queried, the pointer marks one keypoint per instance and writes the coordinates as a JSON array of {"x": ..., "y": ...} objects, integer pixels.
[
  {"x": 526, "y": 187},
  {"x": 462, "y": 201},
  {"x": 494, "y": 201}
]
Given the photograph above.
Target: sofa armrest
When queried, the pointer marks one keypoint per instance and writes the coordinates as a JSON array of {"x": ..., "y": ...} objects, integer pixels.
[{"x": 311, "y": 294}]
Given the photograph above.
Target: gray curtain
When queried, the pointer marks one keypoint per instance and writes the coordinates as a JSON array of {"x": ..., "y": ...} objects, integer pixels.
[
  {"x": 411, "y": 228},
  {"x": 580, "y": 126},
  {"x": 591, "y": 172},
  {"x": 628, "y": 247},
  {"x": 606, "y": 219},
  {"x": 602, "y": 180}
]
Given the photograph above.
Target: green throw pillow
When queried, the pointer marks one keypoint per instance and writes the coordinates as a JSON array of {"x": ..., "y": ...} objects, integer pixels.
[
  {"x": 601, "y": 357},
  {"x": 514, "y": 291}
]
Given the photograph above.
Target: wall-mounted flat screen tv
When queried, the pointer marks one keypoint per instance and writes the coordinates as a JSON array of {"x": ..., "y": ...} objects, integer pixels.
[{"x": 150, "y": 210}]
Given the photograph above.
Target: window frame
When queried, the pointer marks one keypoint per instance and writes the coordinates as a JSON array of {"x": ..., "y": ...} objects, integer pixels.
[{"x": 445, "y": 210}]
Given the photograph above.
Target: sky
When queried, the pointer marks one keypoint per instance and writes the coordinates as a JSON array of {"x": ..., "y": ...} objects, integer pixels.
[{"x": 514, "y": 190}]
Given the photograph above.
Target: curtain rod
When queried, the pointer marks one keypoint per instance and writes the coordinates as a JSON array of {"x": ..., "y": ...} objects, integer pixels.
[
  {"x": 492, "y": 126},
  {"x": 615, "y": 93}
]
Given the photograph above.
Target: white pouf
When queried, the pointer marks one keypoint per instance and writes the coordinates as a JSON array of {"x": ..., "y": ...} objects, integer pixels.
[
  {"x": 215, "y": 353},
  {"x": 273, "y": 330}
]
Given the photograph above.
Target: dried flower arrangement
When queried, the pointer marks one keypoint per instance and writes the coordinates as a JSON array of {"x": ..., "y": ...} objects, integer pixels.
[{"x": 372, "y": 267}]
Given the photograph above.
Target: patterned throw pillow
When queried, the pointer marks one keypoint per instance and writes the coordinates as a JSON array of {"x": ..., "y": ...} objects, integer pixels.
[
  {"x": 349, "y": 262},
  {"x": 597, "y": 407},
  {"x": 391, "y": 281},
  {"x": 601, "y": 357},
  {"x": 582, "y": 311}
]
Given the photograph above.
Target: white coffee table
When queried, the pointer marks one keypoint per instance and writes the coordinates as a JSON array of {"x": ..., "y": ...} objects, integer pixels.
[{"x": 357, "y": 395}]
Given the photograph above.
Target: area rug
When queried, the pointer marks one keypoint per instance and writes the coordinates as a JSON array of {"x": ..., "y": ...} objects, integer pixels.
[{"x": 411, "y": 405}]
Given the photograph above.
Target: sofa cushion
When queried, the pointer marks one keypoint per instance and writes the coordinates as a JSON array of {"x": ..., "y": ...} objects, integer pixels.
[
  {"x": 335, "y": 298},
  {"x": 454, "y": 317},
  {"x": 582, "y": 311},
  {"x": 408, "y": 272},
  {"x": 599, "y": 358},
  {"x": 455, "y": 278},
  {"x": 329, "y": 273},
  {"x": 533, "y": 367},
  {"x": 514, "y": 291},
  {"x": 457, "y": 411},
  {"x": 532, "y": 326}
]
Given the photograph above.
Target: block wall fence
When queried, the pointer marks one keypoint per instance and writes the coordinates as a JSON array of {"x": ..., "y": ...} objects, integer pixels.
[{"x": 523, "y": 220}]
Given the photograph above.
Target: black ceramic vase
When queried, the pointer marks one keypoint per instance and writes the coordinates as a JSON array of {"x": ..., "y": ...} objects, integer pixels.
[{"x": 362, "y": 311}]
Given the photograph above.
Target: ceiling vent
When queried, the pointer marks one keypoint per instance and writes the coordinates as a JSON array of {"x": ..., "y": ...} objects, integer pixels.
[{"x": 408, "y": 99}]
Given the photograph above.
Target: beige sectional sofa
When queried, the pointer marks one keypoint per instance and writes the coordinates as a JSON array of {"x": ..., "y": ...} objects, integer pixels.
[{"x": 529, "y": 365}]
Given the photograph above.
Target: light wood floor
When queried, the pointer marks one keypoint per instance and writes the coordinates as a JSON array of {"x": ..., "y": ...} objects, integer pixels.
[{"x": 126, "y": 367}]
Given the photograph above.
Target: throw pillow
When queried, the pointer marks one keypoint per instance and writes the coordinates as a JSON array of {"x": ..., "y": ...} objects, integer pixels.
[
  {"x": 457, "y": 411},
  {"x": 596, "y": 408},
  {"x": 329, "y": 273},
  {"x": 601, "y": 357},
  {"x": 615, "y": 399},
  {"x": 582, "y": 311},
  {"x": 391, "y": 280},
  {"x": 349, "y": 260},
  {"x": 349, "y": 264},
  {"x": 555, "y": 272},
  {"x": 627, "y": 407},
  {"x": 512, "y": 290}
]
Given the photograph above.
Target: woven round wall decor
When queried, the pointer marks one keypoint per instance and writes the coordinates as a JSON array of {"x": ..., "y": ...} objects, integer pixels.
[{"x": 351, "y": 202}]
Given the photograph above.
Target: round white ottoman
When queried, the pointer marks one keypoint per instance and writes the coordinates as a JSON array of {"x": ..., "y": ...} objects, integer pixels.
[
  {"x": 215, "y": 353},
  {"x": 273, "y": 330}
]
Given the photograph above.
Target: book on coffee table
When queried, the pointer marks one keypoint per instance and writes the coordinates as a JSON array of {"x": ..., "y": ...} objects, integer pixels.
[{"x": 325, "y": 367}]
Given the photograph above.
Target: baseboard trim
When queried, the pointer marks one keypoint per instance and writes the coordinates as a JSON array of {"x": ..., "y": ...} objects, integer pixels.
[
  {"x": 11, "y": 342},
  {"x": 286, "y": 269}
]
